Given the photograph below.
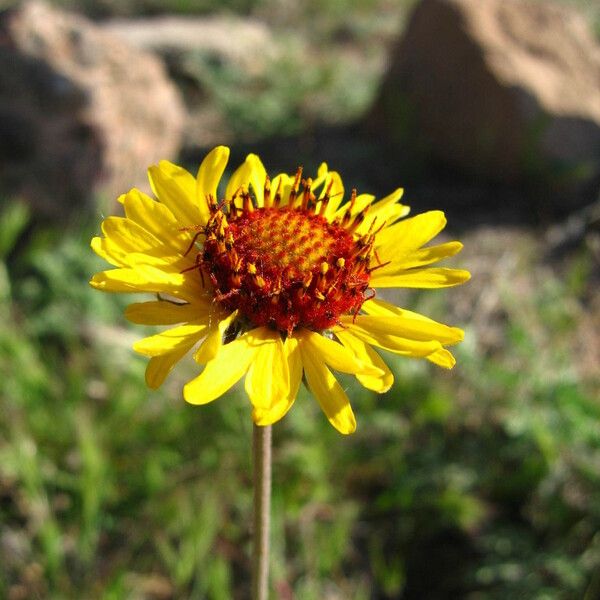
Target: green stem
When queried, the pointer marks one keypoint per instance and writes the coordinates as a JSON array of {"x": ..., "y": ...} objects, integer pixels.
[{"x": 261, "y": 450}]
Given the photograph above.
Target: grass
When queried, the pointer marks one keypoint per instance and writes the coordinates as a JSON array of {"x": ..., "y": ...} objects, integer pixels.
[{"x": 480, "y": 483}]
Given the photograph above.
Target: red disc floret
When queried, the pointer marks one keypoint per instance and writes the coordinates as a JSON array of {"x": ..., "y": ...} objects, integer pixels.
[{"x": 285, "y": 267}]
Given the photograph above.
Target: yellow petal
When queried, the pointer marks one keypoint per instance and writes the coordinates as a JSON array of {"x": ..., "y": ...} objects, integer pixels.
[
  {"x": 257, "y": 179},
  {"x": 442, "y": 358},
  {"x": 144, "y": 278},
  {"x": 412, "y": 329},
  {"x": 384, "y": 216},
  {"x": 141, "y": 279},
  {"x": 383, "y": 308},
  {"x": 221, "y": 373},
  {"x": 292, "y": 353},
  {"x": 183, "y": 178},
  {"x": 366, "y": 354},
  {"x": 122, "y": 254},
  {"x": 268, "y": 380},
  {"x": 336, "y": 194},
  {"x": 361, "y": 202},
  {"x": 422, "y": 278},
  {"x": 160, "y": 258},
  {"x": 250, "y": 172},
  {"x": 392, "y": 213},
  {"x": 327, "y": 390},
  {"x": 154, "y": 217},
  {"x": 277, "y": 411},
  {"x": 176, "y": 192},
  {"x": 395, "y": 344},
  {"x": 128, "y": 235},
  {"x": 209, "y": 175},
  {"x": 282, "y": 182},
  {"x": 389, "y": 200},
  {"x": 159, "y": 367},
  {"x": 211, "y": 346},
  {"x": 319, "y": 180},
  {"x": 172, "y": 339},
  {"x": 417, "y": 258},
  {"x": 384, "y": 211},
  {"x": 163, "y": 312},
  {"x": 376, "y": 306},
  {"x": 411, "y": 233},
  {"x": 334, "y": 354},
  {"x": 112, "y": 255}
]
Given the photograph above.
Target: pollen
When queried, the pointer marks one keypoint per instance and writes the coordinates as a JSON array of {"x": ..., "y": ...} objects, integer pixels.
[{"x": 285, "y": 267}]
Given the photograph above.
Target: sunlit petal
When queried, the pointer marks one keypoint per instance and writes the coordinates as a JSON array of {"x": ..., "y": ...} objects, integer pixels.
[
  {"x": 366, "y": 354},
  {"x": 268, "y": 378},
  {"x": 175, "y": 191},
  {"x": 328, "y": 391},
  {"x": 162, "y": 312},
  {"x": 171, "y": 339},
  {"x": 207, "y": 180},
  {"x": 422, "y": 278},
  {"x": 213, "y": 342},
  {"x": 221, "y": 373}
]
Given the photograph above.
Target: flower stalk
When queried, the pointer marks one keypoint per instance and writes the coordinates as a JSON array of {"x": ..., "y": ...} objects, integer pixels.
[{"x": 261, "y": 451}]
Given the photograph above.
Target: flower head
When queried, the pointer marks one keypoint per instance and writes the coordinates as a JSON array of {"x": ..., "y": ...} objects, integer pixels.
[{"x": 274, "y": 279}]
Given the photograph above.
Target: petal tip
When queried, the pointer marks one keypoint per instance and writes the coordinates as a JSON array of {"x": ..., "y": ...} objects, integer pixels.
[
  {"x": 188, "y": 394},
  {"x": 346, "y": 428},
  {"x": 151, "y": 382},
  {"x": 97, "y": 282},
  {"x": 459, "y": 333},
  {"x": 385, "y": 389}
]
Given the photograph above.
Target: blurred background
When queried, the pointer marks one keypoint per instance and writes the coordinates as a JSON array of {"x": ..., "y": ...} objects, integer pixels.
[{"x": 482, "y": 482}]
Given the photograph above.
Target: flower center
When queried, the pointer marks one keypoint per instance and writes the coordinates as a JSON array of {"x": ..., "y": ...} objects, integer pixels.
[
  {"x": 285, "y": 267},
  {"x": 288, "y": 241}
]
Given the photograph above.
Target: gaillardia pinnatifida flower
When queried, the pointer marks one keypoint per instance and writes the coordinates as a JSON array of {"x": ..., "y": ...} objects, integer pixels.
[{"x": 274, "y": 279}]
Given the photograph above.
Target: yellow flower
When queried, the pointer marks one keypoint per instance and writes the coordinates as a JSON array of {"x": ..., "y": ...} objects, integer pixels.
[{"x": 272, "y": 280}]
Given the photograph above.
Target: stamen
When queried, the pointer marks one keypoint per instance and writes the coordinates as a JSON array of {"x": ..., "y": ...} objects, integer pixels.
[
  {"x": 352, "y": 200},
  {"x": 267, "y": 193},
  {"x": 277, "y": 200},
  {"x": 248, "y": 206},
  {"x": 358, "y": 220},
  {"x": 308, "y": 195},
  {"x": 348, "y": 214},
  {"x": 325, "y": 199},
  {"x": 212, "y": 203},
  {"x": 295, "y": 187}
]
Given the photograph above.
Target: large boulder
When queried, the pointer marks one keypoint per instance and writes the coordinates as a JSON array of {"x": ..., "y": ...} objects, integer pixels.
[
  {"x": 81, "y": 111},
  {"x": 502, "y": 89}
]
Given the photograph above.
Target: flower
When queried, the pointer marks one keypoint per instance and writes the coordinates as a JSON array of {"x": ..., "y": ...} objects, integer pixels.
[{"x": 272, "y": 280}]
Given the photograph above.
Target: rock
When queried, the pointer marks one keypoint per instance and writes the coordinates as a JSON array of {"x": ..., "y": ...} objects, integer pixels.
[
  {"x": 202, "y": 53},
  {"x": 213, "y": 35},
  {"x": 81, "y": 111},
  {"x": 507, "y": 90}
]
